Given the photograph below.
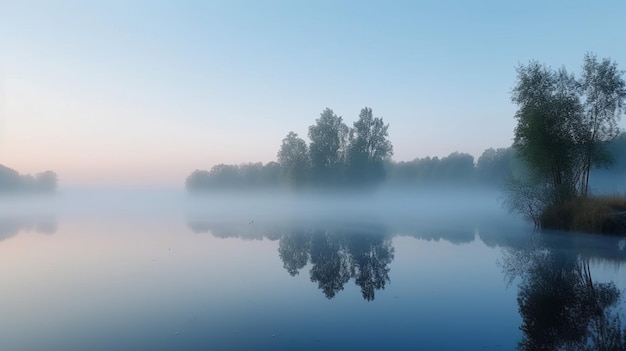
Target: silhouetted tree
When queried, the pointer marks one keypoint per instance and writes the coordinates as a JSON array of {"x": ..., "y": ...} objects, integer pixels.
[
  {"x": 198, "y": 180},
  {"x": 549, "y": 124},
  {"x": 564, "y": 124},
  {"x": 329, "y": 142},
  {"x": 369, "y": 149},
  {"x": 12, "y": 181},
  {"x": 294, "y": 160},
  {"x": 603, "y": 93}
]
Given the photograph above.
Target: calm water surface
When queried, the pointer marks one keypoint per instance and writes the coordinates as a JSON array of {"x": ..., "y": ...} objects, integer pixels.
[{"x": 204, "y": 280}]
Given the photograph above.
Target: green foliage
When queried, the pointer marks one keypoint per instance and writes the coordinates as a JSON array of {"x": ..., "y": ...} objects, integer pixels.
[
  {"x": 604, "y": 92},
  {"x": 369, "y": 149},
  {"x": 337, "y": 155},
  {"x": 495, "y": 167},
  {"x": 329, "y": 143},
  {"x": 294, "y": 161},
  {"x": 564, "y": 125},
  {"x": 549, "y": 123}
]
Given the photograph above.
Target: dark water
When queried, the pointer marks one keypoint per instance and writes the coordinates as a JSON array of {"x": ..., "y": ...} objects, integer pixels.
[{"x": 206, "y": 280}]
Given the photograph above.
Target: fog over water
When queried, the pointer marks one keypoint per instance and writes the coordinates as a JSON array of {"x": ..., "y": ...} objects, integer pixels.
[
  {"x": 161, "y": 269},
  {"x": 260, "y": 205}
]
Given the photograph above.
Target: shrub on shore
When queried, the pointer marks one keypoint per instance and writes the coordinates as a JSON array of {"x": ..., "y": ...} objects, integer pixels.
[{"x": 597, "y": 214}]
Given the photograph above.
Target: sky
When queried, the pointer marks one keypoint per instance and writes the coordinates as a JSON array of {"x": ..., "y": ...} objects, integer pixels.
[{"x": 133, "y": 93}]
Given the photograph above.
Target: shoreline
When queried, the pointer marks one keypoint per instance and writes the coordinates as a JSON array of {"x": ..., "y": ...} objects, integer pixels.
[{"x": 604, "y": 214}]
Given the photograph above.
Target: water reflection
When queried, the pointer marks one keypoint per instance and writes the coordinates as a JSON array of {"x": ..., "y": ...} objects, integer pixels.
[
  {"x": 561, "y": 306},
  {"x": 12, "y": 225},
  {"x": 338, "y": 256},
  {"x": 335, "y": 254}
]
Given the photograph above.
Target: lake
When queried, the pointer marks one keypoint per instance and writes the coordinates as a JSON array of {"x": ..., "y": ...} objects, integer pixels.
[{"x": 252, "y": 273}]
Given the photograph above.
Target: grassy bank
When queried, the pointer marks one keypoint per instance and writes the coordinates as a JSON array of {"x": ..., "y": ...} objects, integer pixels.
[{"x": 595, "y": 214}]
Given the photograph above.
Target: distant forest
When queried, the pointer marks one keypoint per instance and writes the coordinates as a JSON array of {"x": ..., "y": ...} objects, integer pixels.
[
  {"x": 12, "y": 181},
  {"x": 360, "y": 157}
]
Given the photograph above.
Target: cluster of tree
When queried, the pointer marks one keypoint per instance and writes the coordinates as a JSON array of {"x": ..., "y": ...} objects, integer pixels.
[
  {"x": 336, "y": 156},
  {"x": 13, "y": 182},
  {"x": 564, "y": 125}
]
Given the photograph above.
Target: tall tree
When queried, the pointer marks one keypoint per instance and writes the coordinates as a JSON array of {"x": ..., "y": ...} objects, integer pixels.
[
  {"x": 294, "y": 160},
  {"x": 604, "y": 92},
  {"x": 565, "y": 122},
  {"x": 549, "y": 120},
  {"x": 329, "y": 141},
  {"x": 369, "y": 148}
]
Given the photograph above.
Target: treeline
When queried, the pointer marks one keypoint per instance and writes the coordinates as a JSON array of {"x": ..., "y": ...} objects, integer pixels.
[
  {"x": 12, "y": 181},
  {"x": 492, "y": 168}
]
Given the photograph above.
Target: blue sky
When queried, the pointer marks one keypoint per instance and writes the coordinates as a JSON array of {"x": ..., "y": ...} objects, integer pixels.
[{"x": 144, "y": 92}]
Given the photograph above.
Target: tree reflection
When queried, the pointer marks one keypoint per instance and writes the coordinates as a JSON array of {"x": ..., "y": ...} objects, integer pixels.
[
  {"x": 330, "y": 263},
  {"x": 12, "y": 225},
  {"x": 294, "y": 251},
  {"x": 561, "y": 307},
  {"x": 338, "y": 256},
  {"x": 371, "y": 257},
  {"x": 335, "y": 254}
]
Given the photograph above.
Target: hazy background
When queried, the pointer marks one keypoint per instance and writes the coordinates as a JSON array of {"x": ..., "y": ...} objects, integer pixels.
[{"x": 144, "y": 92}]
